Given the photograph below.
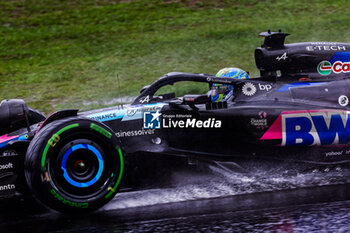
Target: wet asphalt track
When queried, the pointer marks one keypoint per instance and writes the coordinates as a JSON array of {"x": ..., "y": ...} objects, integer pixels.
[{"x": 263, "y": 201}]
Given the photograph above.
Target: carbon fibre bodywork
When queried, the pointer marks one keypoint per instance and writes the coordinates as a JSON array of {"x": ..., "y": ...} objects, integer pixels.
[
  {"x": 301, "y": 115},
  {"x": 251, "y": 124}
]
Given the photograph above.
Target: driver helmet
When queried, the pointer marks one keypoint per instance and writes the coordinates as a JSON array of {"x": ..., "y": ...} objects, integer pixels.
[{"x": 223, "y": 91}]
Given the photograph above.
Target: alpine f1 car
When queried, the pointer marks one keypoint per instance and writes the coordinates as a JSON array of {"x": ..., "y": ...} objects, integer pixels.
[{"x": 297, "y": 110}]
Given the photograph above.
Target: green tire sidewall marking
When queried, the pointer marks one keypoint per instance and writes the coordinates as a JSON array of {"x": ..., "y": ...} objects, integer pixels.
[
  {"x": 101, "y": 130},
  {"x": 120, "y": 173},
  {"x": 43, "y": 158},
  {"x": 97, "y": 128},
  {"x": 83, "y": 205}
]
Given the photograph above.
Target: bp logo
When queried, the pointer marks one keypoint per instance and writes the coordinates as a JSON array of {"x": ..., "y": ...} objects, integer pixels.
[
  {"x": 248, "y": 89},
  {"x": 324, "y": 68}
]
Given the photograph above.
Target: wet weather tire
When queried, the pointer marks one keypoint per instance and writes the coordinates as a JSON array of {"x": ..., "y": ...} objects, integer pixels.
[{"x": 74, "y": 165}]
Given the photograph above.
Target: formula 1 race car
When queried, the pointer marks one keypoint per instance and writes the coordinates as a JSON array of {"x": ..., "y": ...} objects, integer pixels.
[{"x": 297, "y": 110}]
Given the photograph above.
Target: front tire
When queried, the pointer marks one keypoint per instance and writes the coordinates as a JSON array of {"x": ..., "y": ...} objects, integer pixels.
[{"x": 74, "y": 165}]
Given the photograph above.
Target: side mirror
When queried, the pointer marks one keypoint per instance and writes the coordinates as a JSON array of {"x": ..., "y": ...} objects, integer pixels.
[
  {"x": 192, "y": 100},
  {"x": 196, "y": 99}
]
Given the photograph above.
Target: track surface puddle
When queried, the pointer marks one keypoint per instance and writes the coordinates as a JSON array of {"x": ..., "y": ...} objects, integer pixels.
[{"x": 221, "y": 182}]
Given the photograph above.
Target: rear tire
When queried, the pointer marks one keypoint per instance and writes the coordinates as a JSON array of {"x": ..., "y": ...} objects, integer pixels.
[{"x": 74, "y": 165}]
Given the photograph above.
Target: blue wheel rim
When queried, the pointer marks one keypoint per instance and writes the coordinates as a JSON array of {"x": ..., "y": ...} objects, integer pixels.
[{"x": 100, "y": 165}]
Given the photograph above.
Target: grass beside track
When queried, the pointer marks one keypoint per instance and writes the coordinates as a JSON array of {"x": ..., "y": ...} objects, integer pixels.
[{"x": 59, "y": 53}]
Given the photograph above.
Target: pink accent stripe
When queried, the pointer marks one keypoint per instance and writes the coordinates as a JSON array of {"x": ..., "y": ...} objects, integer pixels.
[
  {"x": 275, "y": 131},
  {"x": 43, "y": 123},
  {"x": 5, "y": 138},
  {"x": 314, "y": 110}
]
